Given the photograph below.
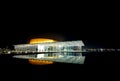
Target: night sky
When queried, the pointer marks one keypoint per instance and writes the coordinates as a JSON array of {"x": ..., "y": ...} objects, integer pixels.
[{"x": 97, "y": 25}]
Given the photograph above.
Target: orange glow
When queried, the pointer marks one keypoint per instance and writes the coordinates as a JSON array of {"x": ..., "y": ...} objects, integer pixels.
[
  {"x": 40, "y": 62},
  {"x": 41, "y": 40}
]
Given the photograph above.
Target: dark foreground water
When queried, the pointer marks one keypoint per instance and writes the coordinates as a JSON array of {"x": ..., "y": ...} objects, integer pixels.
[{"x": 97, "y": 66}]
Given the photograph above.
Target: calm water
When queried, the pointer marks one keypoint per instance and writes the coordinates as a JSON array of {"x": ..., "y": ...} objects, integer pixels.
[{"x": 96, "y": 65}]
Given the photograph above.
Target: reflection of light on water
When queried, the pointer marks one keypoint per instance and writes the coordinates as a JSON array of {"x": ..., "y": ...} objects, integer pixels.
[
  {"x": 39, "y": 62},
  {"x": 75, "y": 58},
  {"x": 50, "y": 58}
]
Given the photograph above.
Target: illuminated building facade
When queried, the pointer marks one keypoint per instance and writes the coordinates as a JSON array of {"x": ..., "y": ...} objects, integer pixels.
[
  {"x": 66, "y": 51},
  {"x": 67, "y": 46}
]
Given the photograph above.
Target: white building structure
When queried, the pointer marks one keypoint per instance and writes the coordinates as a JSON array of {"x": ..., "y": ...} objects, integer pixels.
[
  {"x": 65, "y": 51},
  {"x": 65, "y": 46}
]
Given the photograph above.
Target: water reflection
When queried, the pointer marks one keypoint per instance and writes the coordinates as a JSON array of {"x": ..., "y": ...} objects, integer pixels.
[{"x": 63, "y": 57}]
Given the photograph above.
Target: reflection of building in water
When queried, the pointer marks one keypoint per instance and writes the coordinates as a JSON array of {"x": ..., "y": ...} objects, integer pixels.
[
  {"x": 67, "y": 51},
  {"x": 67, "y": 57}
]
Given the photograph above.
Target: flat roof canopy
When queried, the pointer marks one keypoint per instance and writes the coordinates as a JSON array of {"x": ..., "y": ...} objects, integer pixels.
[{"x": 64, "y": 43}]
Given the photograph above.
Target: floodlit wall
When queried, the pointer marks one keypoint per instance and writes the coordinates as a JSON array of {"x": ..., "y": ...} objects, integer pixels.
[
  {"x": 66, "y": 46},
  {"x": 26, "y": 47},
  {"x": 67, "y": 52}
]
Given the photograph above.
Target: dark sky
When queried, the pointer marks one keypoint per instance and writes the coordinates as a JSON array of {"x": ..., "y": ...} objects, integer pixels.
[{"x": 95, "y": 27}]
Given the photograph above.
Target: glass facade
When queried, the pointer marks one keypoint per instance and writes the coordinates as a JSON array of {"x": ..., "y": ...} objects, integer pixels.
[
  {"x": 67, "y": 51},
  {"x": 67, "y": 46}
]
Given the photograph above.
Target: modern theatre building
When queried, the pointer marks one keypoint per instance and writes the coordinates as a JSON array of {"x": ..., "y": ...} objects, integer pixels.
[
  {"x": 66, "y": 46},
  {"x": 65, "y": 51}
]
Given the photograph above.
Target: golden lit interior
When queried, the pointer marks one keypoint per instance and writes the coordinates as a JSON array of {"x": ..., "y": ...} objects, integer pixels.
[
  {"x": 40, "y": 62},
  {"x": 41, "y": 40}
]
